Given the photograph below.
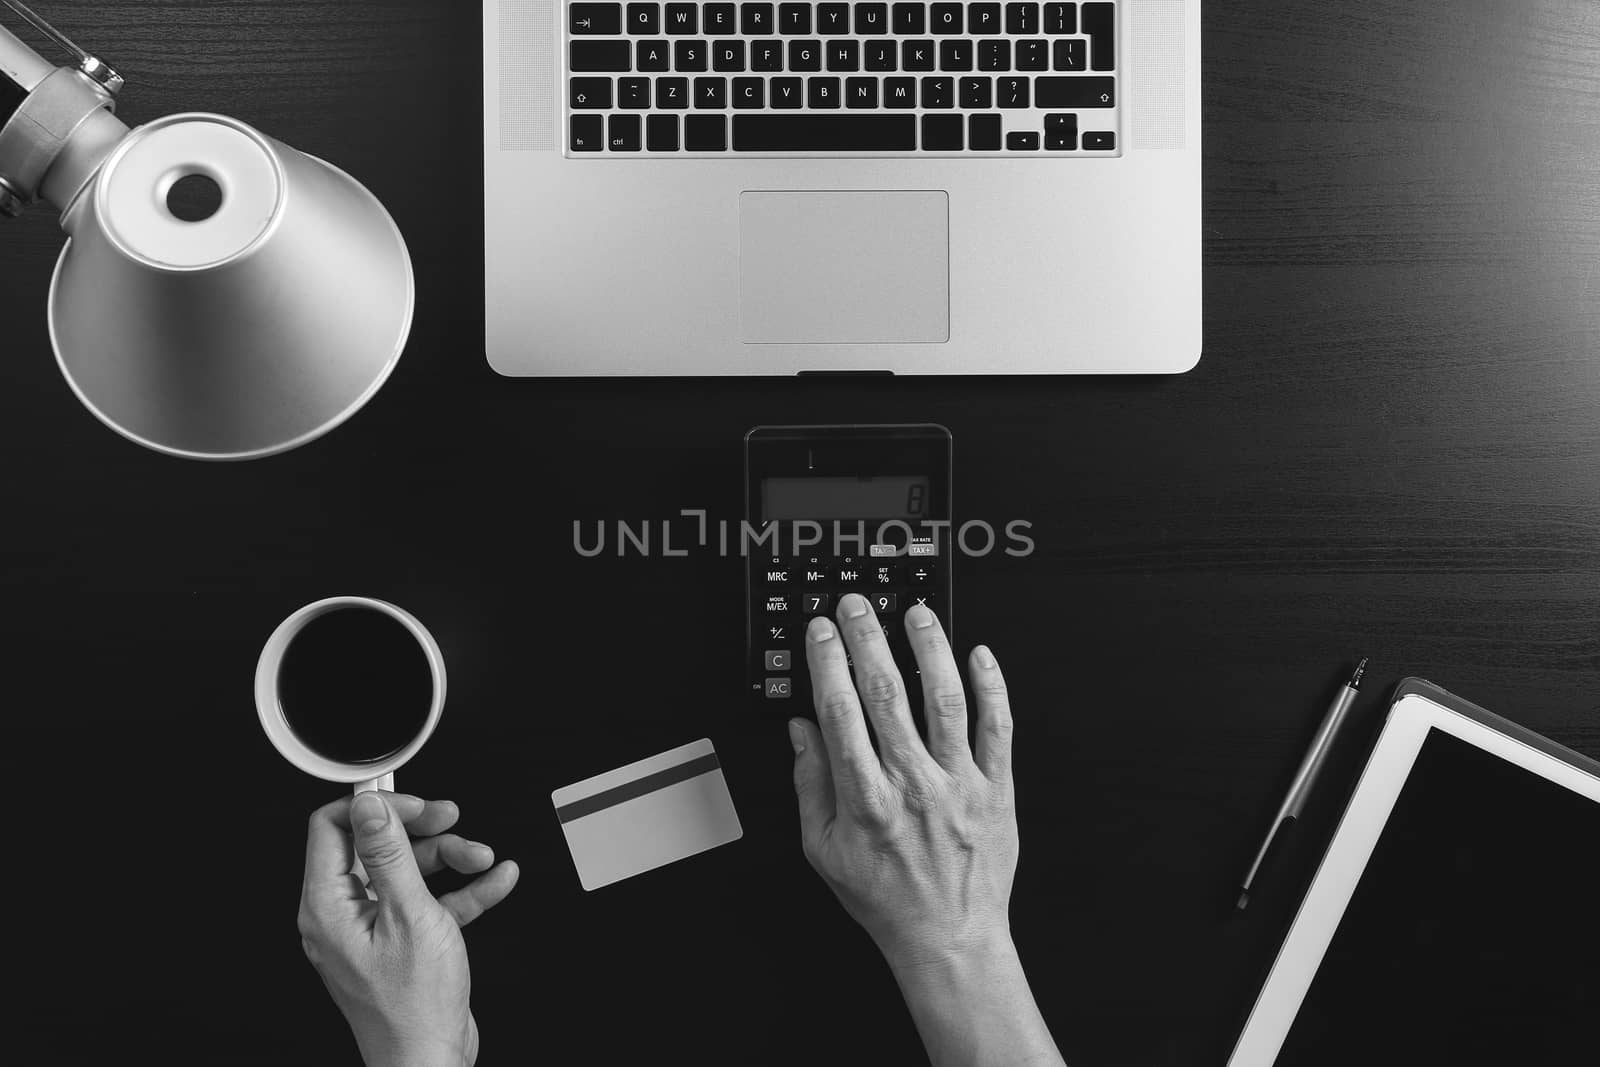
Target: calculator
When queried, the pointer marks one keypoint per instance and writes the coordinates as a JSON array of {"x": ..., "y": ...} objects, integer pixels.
[{"x": 833, "y": 510}]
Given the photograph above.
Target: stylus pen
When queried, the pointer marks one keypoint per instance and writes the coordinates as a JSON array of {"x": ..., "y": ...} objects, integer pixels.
[{"x": 1305, "y": 778}]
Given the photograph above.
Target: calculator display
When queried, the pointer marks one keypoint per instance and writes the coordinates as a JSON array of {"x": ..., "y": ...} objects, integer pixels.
[{"x": 883, "y": 497}]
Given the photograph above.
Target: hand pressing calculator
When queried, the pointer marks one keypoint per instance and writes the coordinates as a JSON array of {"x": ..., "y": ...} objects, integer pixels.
[{"x": 835, "y": 510}]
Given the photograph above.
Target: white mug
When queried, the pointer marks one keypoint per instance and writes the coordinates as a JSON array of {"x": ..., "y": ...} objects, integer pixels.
[{"x": 364, "y": 776}]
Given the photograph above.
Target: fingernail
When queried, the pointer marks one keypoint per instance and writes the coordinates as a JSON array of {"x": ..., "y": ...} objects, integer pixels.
[
  {"x": 369, "y": 812},
  {"x": 985, "y": 657},
  {"x": 854, "y": 606},
  {"x": 919, "y": 617},
  {"x": 821, "y": 630},
  {"x": 797, "y": 736}
]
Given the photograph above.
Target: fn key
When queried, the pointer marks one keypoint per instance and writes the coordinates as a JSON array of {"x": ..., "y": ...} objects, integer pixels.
[{"x": 588, "y": 133}]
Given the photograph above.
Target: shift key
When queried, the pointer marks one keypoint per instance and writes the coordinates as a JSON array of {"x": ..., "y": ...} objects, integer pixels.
[{"x": 1074, "y": 92}]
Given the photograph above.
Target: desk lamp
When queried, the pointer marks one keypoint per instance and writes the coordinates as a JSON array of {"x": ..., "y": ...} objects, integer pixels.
[{"x": 221, "y": 295}]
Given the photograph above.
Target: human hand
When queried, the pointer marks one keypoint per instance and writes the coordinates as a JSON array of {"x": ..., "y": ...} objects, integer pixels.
[
  {"x": 921, "y": 845},
  {"x": 394, "y": 959}
]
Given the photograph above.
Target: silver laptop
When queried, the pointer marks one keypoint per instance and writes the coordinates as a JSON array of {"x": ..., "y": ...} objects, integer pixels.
[{"x": 782, "y": 188}]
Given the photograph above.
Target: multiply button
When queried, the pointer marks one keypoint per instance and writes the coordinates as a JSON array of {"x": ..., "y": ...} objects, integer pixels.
[
  {"x": 778, "y": 689},
  {"x": 779, "y": 660}
]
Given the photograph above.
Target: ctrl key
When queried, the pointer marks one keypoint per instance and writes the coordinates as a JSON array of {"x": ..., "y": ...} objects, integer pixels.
[{"x": 588, "y": 133}]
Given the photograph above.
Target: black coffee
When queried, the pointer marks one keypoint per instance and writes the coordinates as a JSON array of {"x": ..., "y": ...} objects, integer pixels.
[{"x": 355, "y": 685}]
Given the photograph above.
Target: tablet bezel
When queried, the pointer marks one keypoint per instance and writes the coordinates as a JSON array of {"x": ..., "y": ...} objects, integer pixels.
[{"x": 1418, "y": 708}]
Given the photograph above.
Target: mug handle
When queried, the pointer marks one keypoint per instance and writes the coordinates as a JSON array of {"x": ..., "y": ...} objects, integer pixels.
[{"x": 386, "y": 783}]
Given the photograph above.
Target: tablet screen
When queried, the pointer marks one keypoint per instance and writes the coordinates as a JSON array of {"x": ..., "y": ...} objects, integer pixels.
[{"x": 1473, "y": 935}]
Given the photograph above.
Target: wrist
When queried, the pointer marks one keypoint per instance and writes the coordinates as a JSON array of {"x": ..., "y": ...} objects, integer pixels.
[
  {"x": 953, "y": 963},
  {"x": 405, "y": 1051}
]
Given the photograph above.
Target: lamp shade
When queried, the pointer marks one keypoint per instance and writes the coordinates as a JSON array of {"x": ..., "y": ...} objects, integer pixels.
[{"x": 248, "y": 333}]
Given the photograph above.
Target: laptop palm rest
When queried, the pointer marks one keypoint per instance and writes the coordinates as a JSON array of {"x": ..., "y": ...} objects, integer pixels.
[{"x": 844, "y": 267}]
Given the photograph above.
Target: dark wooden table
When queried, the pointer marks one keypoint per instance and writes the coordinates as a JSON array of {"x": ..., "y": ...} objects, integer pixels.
[{"x": 1391, "y": 448}]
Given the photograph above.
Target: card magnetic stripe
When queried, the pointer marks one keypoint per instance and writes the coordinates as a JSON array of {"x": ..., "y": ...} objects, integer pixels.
[{"x": 639, "y": 787}]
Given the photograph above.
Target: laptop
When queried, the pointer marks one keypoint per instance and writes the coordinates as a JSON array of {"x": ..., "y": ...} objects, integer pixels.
[{"x": 874, "y": 187}]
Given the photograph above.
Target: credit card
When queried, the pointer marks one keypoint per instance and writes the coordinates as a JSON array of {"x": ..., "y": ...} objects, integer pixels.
[{"x": 647, "y": 814}]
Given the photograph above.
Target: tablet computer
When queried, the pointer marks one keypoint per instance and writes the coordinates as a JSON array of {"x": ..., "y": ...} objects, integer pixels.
[{"x": 1455, "y": 917}]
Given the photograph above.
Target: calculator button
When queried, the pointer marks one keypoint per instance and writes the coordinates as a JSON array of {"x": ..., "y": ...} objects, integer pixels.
[
  {"x": 777, "y": 572},
  {"x": 815, "y": 571},
  {"x": 929, "y": 600},
  {"x": 849, "y": 574},
  {"x": 882, "y": 574},
  {"x": 778, "y": 634},
  {"x": 779, "y": 689},
  {"x": 815, "y": 604},
  {"x": 776, "y": 606},
  {"x": 884, "y": 603},
  {"x": 779, "y": 659},
  {"x": 922, "y": 574},
  {"x": 922, "y": 550}
]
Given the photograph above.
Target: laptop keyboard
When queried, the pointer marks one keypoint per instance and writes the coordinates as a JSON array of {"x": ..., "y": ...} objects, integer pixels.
[{"x": 836, "y": 79}]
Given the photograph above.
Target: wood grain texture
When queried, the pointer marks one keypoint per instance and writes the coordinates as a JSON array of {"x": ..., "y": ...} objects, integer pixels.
[{"x": 1392, "y": 448}]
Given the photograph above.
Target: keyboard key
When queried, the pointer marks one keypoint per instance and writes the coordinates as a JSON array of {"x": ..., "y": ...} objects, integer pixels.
[
  {"x": 931, "y": 601},
  {"x": 749, "y": 93},
  {"x": 766, "y": 56},
  {"x": 899, "y": 92},
  {"x": 710, "y": 93},
  {"x": 942, "y": 133},
  {"x": 872, "y": 19},
  {"x": 1020, "y": 141},
  {"x": 983, "y": 18},
  {"x": 1012, "y": 92},
  {"x": 861, "y": 92},
  {"x": 644, "y": 18},
  {"x": 689, "y": 55},
  {"x": 755, "y": 19},
  {"x": 633, "y": 94},
  {"x": 1099, "y": 21},
  {"x": 945, "y": 19},
  {"x": 779, "y": 688},
  {"x": 880, "y": 55},
  {"x": 584, "y": 19},
  {"x": 586, "y": 94},
  {"x": 653, "y": 56},
  {"x": 908, "y": 19},
  {"x": 977, "y": 93},
  {"x": 994, "y": 55},
  {"x": 849, "y": 572},
  {"x": 705, "y": 133},
  {"x": 587, "y": 133},
  {"x": 889, "y": 603},
  {"x": 955, "y": 55},
  {"x": 661, "y": 133},
  {"x": 787, "y": 93},
  {"x": 824, "y": 133},
  {"x": 983, "y": 133},
  {"x": 815, "y": 604},
  {"x": 916, "y": 55},
  {"x": 1071, "y": 55},
  {"x": 1022, "y": 19},
  {"x": 805, "y": 55},
  {"x": 683, "y": 18},
  {"x": 1100, "y": 142},
  {"x": 1060, "y": 18},
  {"x": 672, "y": 93},
  {"x": 880, "y": 575},
  {"x": 1061, "y": 133},
  {"x": 1033, "y": 55},
  {"x": 822, "y": 93},
  {"x": 833, "y": 18},
  {"x": 844, "y": 55},
  {"x": 720, "y": 18},
  {"x": 727, "y": 56},
  {"x": 778, "y": 660},
  {"x": 794, "y": 18},
  {"x": 938, "y": 94},
  {"x": 925, "y": 574},
  {"x": 599, "y": 55},
  {"x": 1076, "y": 92},
  {"x": 622, "y": 133}
]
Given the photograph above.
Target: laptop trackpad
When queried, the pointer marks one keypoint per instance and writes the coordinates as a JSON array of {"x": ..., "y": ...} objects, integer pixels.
[{"x": 844, "y": 267}]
